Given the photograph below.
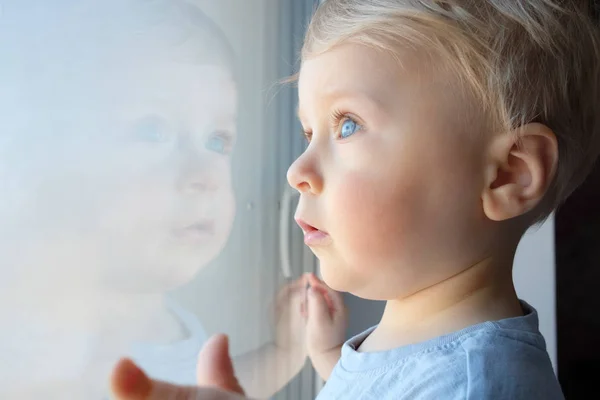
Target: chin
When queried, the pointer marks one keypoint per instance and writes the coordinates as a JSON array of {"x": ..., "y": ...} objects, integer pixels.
[
  {"x": 179, "y": 272},
  {"x": 334, "y": 277},
  {"x": 340, "y": 278},
  {"x": 163, "y": 274},
  {"x": 170, "y": 277}
]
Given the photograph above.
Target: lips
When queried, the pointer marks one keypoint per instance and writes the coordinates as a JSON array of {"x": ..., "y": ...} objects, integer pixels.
[
  {"x": 312, "y": 235},
  {"x": 198, "y": 231}
]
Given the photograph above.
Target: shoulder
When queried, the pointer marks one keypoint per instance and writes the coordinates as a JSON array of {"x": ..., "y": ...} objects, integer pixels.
[
  {"x": 505, "y": 359},
  {"x": 487, "y": 364},
  {"x": 188, "y": 320},
  {"x": 498, "y": 364}
]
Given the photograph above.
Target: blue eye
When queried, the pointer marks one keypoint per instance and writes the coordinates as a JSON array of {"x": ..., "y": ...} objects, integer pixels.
[
  {"x": 219, "y": 144},
  {"x": 349, "y": 128}
]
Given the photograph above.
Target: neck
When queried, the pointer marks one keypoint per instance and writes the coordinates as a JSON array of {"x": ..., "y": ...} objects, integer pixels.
[
  {"x": 85, "y": 309},
  {"x": 67, "y": 286},
  {"x": 482, "y": 292}
]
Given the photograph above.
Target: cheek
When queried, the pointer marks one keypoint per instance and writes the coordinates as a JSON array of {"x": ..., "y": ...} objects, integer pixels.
[
  {"x": 374, "y": 224},
  {"x": 372, "y": 218},
  {"x": 226, "y": 210},
  {"x": 141, "y": 212},
  {"x": 139, "y": 206},
  {"x": 394, "y": 227},
  {"x": 223, "y": 202}
]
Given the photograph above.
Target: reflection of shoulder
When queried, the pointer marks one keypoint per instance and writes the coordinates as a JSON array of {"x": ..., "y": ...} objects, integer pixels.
[
  {"x": 175, "y": 361},
  {"x": 188, "y": 320}
]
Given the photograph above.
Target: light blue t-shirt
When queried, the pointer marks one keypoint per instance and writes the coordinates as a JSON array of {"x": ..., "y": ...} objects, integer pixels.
[{"x": 498, "y": 360}]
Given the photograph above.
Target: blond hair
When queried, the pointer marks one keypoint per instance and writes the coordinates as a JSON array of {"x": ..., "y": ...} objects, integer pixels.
[{"x": 526, "y": 61}]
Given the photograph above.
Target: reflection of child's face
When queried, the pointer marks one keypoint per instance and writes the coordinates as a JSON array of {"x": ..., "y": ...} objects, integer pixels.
[
  {"x": 172, "y": 207},
  {"x": 150, "y": 194},
  {"x": 127, "y": 128}
]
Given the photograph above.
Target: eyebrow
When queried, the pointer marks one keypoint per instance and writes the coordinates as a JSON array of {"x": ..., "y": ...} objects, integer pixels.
[{"x": 360, "y": 96}]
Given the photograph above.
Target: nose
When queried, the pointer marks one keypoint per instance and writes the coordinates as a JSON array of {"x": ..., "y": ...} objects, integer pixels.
[
  {"x": 198, "y": 175},
  {"x": 304, "y": 176}
]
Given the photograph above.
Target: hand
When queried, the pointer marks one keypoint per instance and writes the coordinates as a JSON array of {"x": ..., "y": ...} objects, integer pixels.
[
  {"x": 266, "y": 370},
  {"x": 326, "y": 326},
  {"x": 326, "y": 317},
  {"x": 290, "y": 324},
  {"x": 215, "y": 378}
]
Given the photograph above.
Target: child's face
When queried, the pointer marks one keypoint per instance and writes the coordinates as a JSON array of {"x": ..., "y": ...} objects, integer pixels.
[
  {"x": 174, "y": 206},
  {"x": 393, "y": 172},
  {"x": 138, "y": 190}
]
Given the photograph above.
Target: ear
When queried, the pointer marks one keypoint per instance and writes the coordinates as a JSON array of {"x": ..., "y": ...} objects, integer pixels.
[{"x": 519, "y": 172}]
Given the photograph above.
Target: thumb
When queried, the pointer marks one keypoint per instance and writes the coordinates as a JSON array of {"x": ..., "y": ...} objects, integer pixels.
[
  {"x": 215, "y": 367},
  {"x": 318, "y": 310},
  {"x": 128, "y": 382}
]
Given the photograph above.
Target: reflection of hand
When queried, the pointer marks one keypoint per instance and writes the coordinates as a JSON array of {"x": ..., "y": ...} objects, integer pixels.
[
  {"x": 268, "y": 369},
  {"x": 326, "y": 325},
  {"x": 216, "y": 379},
  {"x": 290, "y": 324}
]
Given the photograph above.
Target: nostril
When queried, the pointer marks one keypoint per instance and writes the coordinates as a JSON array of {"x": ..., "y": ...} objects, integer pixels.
[{"x": 303, "y": 187}]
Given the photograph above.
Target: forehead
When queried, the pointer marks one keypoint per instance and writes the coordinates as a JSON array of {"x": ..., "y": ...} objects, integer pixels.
[
  {"x": 353, "y": 69},
  {"x": 354, "y": 58},
  {"x": 391, "y": 80},
  {"x": 111, "y": 53},
  {"x": 175, "y": 89},
  {"x": 344, "y": 67},
  {"x": 180, "y": 90},
  {"x": 408, "y": 89}
]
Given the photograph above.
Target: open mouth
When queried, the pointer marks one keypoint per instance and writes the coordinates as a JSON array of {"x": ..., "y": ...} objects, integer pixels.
[
  {"x": 306, "y": 228},
  {"x": 312, "y": 235}
]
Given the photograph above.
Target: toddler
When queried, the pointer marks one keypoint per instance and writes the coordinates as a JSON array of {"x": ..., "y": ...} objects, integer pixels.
[{"x": 438, "y": 133}]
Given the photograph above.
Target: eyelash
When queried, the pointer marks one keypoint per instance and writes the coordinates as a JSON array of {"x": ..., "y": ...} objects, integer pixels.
[{"x": 337, "y": 118}]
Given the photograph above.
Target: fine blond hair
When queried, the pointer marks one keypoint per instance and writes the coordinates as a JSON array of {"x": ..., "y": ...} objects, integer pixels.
[{"x": 526, "y": 61}]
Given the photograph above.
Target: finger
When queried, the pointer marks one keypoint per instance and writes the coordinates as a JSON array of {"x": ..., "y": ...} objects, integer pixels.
[
  {"x": 288, "y": 291},
  {"x": 335, "y": 299},
  {"x": 304, "y": 304},
  {"x": 128, "y": 382},
  {"x": 320, "y": 286},
  {"x": 215, "y": 367},
  {"x": 317, "y": 283},
  {"x": 318, "y": 310},
  {"x": 295, "y": 285}
]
